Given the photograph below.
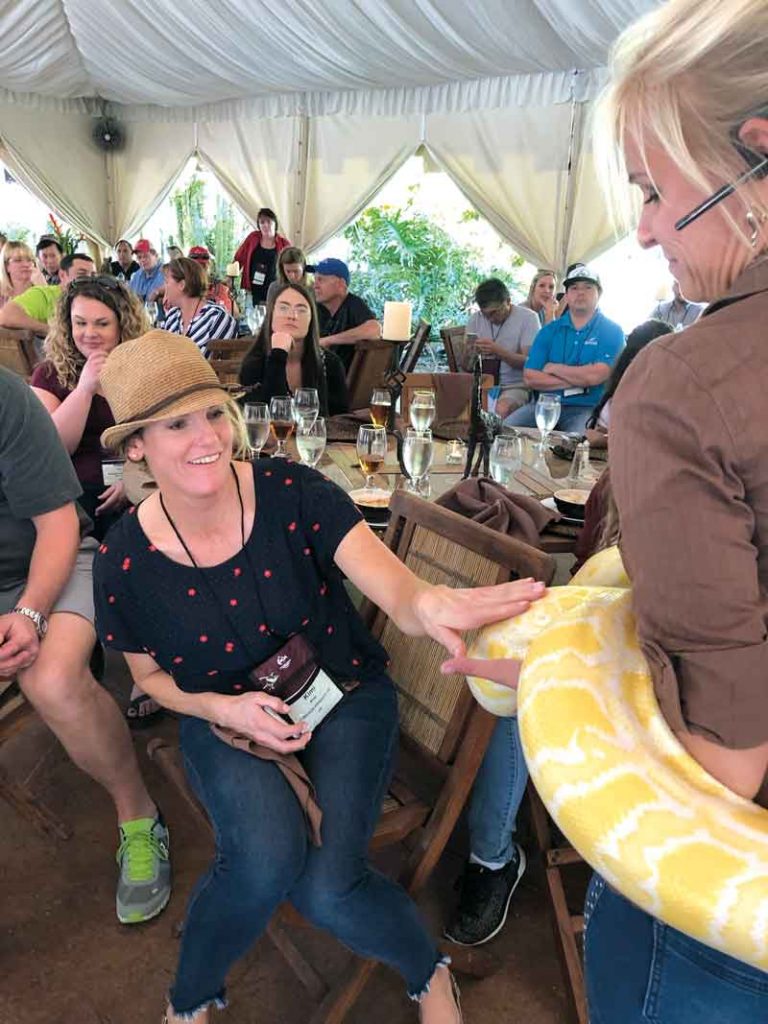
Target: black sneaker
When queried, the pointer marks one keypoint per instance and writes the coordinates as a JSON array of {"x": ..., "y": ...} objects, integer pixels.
[{"x": 484, "y": 901}]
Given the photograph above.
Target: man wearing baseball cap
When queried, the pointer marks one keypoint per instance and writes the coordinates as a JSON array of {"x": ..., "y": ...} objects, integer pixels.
[
  {"x": 573, "y": 355},
  {"x": 148, "y": 282},
  {"x": 343, "y": 317},
  {"x": 217, "y": 290}
]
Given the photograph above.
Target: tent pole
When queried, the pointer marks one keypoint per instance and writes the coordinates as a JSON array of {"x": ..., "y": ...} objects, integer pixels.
[
  {"x": 574, "y": 154},
  {"x": 300, "y": 179}
]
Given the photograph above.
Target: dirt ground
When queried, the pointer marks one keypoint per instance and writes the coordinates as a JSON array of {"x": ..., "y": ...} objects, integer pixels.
[{"x": 66, "y": 960}]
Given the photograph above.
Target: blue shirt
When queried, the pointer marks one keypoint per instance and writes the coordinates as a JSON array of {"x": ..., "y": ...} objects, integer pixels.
[
  {"x": 144, "y": 283},
  {"x": 598, "y": 341}
]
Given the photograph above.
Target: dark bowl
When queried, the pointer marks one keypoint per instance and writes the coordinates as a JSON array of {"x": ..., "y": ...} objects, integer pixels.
[{"x": 571, "y": 502}]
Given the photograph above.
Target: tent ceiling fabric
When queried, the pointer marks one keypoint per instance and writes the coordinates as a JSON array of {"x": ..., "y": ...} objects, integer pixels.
[
  {"x": 171, "y": 54},
  {"x": 308, "y": 109}
]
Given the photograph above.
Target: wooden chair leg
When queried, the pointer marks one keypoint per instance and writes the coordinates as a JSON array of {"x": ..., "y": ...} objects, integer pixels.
[
  {"x": 566, "y": 925},
  {"x": 342, "y": 997},
  {"x": 32, "y": 809}
]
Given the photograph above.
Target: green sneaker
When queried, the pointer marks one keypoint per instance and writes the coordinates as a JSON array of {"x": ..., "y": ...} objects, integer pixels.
[{"x": 144, "y": 885}]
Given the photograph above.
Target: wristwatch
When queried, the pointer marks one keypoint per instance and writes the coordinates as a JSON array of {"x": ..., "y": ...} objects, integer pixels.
[{"x": 40, "y": 621}]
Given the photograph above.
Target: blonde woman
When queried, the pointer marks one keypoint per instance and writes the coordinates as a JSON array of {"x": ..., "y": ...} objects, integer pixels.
[
  {"x": 686, "y": 114},
  {"x": 541, "y": 296},
  {"x": 18, "y": 271}
]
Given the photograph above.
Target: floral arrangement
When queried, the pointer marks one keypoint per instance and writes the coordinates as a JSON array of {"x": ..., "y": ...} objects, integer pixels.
[{"x": 66, "y": 237}]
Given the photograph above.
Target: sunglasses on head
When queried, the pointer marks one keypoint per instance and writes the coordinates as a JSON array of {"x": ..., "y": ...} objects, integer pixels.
[{"x": 104, "y": 280}]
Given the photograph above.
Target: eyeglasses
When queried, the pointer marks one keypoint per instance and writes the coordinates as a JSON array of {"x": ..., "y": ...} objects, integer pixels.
[
  {"x": 285, "y": 309},
  {"x": 20, "y": 259}
]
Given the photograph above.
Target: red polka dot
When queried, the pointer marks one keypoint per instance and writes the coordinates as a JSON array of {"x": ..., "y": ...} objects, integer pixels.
[
  {"x": 152, "y": 654},
  {"x": 315, "y": 527},
  {"x": 292, "y": 527},
  {"x": 151, "y": 548},
  {"x": 307, "y": 551},
  {"x": 268, "y": 473},
  {"x": 177, "y": 660},
  {"x": 237, "y": 571},
  {"x": 126, "y": 564},
  {"x": 355, "y": 662},
  {"x": 237, "y": 686},
  {"x": 305, "y": 622},
  {"x": 323, "y": 590},
  {"x": 110, "y": 636},
  {"x": 229, "y": 647},
  {"x": 267, "y": 574},
  {"x": 103, "y": 549},
  {"x": 203, "y": 639},
  {"x": 263, "y": 628},
  {"x": 191, "y": 592},
  {"x": 288, "y": 481},
  {"x": 213, "y": 672},
  {"x": 111, "y": 599},
  {"x": 131, "y": 510},
  {"x": 329, "y": 630}
]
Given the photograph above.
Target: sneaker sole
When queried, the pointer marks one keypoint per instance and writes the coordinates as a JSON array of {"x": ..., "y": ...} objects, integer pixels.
[
  {"x": 136, "y": 917},
  {"x": 479, "y": 942}
]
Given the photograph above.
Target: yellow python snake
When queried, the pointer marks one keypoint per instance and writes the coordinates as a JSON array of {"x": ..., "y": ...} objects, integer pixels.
[{"x": 639, "y": 809}]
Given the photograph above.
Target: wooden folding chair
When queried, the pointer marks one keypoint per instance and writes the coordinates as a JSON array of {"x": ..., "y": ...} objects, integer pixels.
[
  {"x": 17, "y": 351},
  {"x": 371, "y": 361},
  {"x": 416, "y": 381},
  {"x": 453, "y": 339},
  {"x": 444, "y": 733},
  {"x": 226, "y": 356},
  {"x": 413, "y": 348}
]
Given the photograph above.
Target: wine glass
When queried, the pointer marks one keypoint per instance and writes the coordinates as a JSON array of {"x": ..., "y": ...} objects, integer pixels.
[
  {"x": 381, "y": 403},
  {"x": 306, "y": 406},
  {"x": 310, "y": 440},
  {"x": 151, "y": 308},
  {"x": 547, "y": 415},
  {"x": 257, "y": 422},
  {"x": 422, "y": 410},
  {"x": 282, "y": 423},
  {"x": 371, "y": 451},
  {"x": 418, "y": 452},
  {"x": 506, "y": 458}
]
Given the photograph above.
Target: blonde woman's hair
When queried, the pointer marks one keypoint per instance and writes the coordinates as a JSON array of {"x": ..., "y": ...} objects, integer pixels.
[
  {"x": 241, "y": 447},
  {"x": 543, "y": 272},
  {"x": 685, "y": 78},
  {"x": 60, "y": 349},
  {"x": 12, "y": 249}
]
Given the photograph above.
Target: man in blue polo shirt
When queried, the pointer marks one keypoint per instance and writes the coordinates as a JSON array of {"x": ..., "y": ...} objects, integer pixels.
[{"x": 572, "y": 356}]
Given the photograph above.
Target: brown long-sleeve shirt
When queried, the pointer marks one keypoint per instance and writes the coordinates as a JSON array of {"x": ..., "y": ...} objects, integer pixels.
[{"x": 689, "y": 468}]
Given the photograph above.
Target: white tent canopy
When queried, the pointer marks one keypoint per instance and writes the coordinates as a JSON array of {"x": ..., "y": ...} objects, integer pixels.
[{"x": 309, "y": 109}]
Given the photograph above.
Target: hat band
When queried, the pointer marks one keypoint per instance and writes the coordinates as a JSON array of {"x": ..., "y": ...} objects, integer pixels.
[{"x": 153, "y": 409}]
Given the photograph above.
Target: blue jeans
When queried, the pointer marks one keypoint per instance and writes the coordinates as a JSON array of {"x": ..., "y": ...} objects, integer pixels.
[
  {"x": 263, "y": 854},
  {"x": 573, "y": 418},
  {"x": 640, "y": 971},
  {"x": 497, "y": 795}
]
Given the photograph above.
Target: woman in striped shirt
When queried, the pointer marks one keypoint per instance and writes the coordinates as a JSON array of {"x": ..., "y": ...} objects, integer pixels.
[{"x": 190, "y": 313}]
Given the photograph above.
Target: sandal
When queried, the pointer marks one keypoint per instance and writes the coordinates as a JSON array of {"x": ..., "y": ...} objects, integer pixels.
[{"x": 142, "y": 710}]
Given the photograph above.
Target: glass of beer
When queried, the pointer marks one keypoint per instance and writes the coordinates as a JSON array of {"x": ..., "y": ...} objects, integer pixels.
[
  {"x": 381, "y": 403},
  {"x": 282, "y": 423},
  {"x": 371, "y": 451},
  {"x": 257, "y": 422}
]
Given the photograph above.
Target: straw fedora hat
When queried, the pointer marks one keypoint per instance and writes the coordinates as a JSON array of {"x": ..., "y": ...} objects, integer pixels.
[{"x": 155, "y": 377}]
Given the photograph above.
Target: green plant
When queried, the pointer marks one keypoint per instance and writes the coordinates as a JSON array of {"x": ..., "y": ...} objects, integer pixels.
[
  {"x": 194, "y": 229},
  {"x": 66, "y": 237},
  {"x": 400, "y": 254},
  {"x": 15, "y": 232}
]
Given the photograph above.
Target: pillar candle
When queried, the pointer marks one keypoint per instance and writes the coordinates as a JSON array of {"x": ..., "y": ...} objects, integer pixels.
[
  {"x": 397, "y": 321},
  {"x": 233, "y": 269}
]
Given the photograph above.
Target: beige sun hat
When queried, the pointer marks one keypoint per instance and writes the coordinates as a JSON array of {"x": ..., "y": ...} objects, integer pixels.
[{"x": 155, "y": 377}]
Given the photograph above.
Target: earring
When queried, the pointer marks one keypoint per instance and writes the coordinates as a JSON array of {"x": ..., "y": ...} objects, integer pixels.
[{"x": 752, "y": 221}]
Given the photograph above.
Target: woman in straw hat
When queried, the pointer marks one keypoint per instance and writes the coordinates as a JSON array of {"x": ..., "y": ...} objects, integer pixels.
[{"x": 206, "y": 582}]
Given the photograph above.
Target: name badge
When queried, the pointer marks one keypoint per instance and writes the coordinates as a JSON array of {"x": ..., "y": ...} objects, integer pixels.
[
  {"x": 259, "y": 277},
  {"x": 568, "y": 392},
  {"x": 112, "y": 472}
]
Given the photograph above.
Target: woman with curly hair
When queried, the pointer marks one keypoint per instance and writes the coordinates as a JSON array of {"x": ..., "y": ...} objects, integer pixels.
[{"x": 93, "y": 316}]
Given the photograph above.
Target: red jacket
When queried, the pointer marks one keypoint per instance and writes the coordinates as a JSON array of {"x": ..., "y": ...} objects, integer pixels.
[{"x": 245, "y": 252}]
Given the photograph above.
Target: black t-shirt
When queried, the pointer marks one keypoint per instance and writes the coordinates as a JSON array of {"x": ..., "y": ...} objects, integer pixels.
[
  {"x": 351, "y": 313},
  {"x": 36, "y": 475},
  {"x": 117, "y": 270},
  {"x": 209, "y": 627},
  {"x": 261, "y": 272}
]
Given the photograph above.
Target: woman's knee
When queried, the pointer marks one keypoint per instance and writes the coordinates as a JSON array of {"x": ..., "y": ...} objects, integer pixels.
[
  {"x": 326, "y": 885},
  {"x": 260, "y": 871}
]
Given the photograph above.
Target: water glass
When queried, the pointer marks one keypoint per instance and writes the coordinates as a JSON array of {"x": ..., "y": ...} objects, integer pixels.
[
  {"x": 423, "y": 408},
  {"x": 310, "y": 441},
  {"x": 418, "y": 452},
  {"x": 282, "y": 423},
  {"x": 371, "y": 451},
  {"x": 306, "y": 406},
  {"x": 548, "y": 409},
  {"x": 506, "y": 458},
  {"x": 257, "y": 421},
  {"x": 151, "y": 308}
]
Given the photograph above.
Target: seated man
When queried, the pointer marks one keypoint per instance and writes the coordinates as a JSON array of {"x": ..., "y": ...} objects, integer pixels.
[
  {"x": 148, "y": 282},
  {"x": 47, "y": 635},
  {"x": 572, "y": 356},
  {"x": 49, "y": 254},
  {"x": 678, "y": 312},
  {"x": 343, "y": 318},
  {"x": 32, "y": 310},
  {"x": 124, "y": 266},
  {"x": 506, "y": 332}
]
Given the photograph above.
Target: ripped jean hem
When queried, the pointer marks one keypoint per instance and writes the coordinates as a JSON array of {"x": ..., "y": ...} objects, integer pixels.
[
  {"x": 442, "y": 961},
  {"x": 219, "y": 1001}
]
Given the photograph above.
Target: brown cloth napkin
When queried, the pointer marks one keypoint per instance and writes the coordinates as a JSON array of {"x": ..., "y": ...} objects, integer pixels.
[
  {"x": 491, "y": 504},
  {"x": 345, "y": 425},
  {"x": 292, "y": 770}
]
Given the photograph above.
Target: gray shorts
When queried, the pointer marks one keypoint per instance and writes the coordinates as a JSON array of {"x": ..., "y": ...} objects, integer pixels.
[{"x": 77, "y": 595}]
